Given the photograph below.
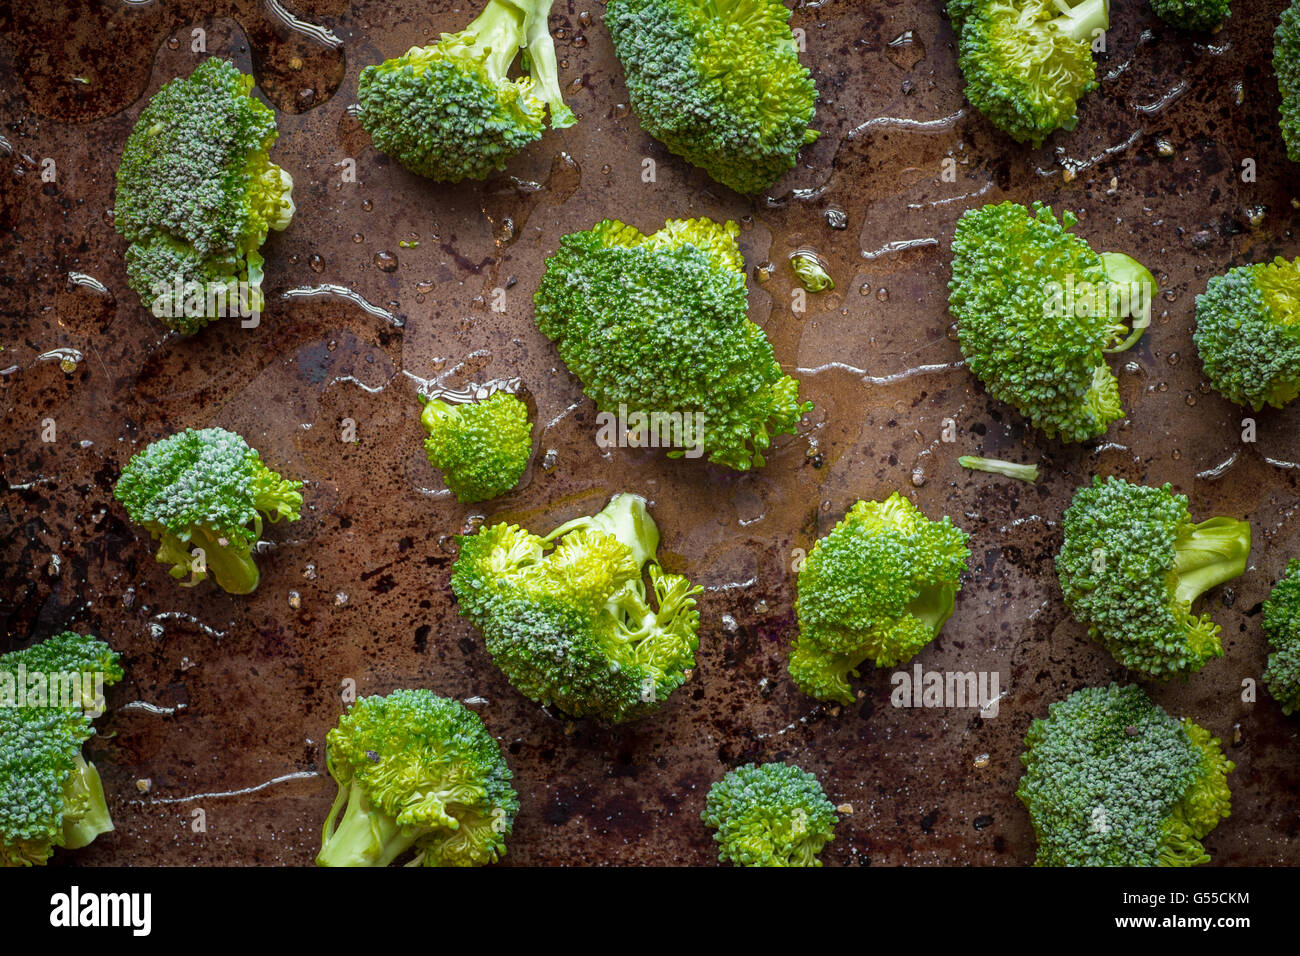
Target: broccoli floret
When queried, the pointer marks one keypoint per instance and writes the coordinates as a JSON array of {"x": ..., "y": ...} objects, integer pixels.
[
  {"x": 50, "y": 796},
  {"x": 1248, "y": 333},
  {"x": 811, "y": 271},
  {"x": 770, "y": 814},
  {"x": 575, "y": 627},
  {"x": 718, "y": 82},
  {"x": 450, "y": 111},
  {"x": 419, "y": 774},
  {"x": 1199, "y": 16},
  {"x": 879, "y": 586},
  {"x": 206, "y": 490},
  {"x": 196, "y": 194},
  {"x": 481, "y": 448},
  {"x": 1282, "y": 627},
  {"x": 1132, "y": 565},
  {"x": 1037, "y": 309},
  {"x": 1112, "y": 780},
  {"x": 1286, "y": 64},
  {"x": 659, "y": 325},
  {"x": 997, "y": 466},
  {"x": 1027, "y": 62}
]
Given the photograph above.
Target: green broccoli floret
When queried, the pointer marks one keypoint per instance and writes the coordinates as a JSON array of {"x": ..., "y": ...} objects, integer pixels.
[
  {"x": 419, "y": 774},
  {"x": 770, "y": 814},
  {"x": 481, "y": 448},
  {"x": 1200, "y": 16},
  {"x": 1027, "y": 62},
  {"x": 1282, "y": 627},
  {"x": 879, "y": 586},
  {"x": 997, "y": 466},
  {"x": 718, "y": 82},
  {"x": 50, "y": 796},
  {"x": 1037, "y": 309},
  {"x": 575, "y": 627},
  {"x": 659, "y": 325},
  {"x": 450, "y": 111},
  {"x": 1248, "y": 333},
  {"x": 1112, "y": 780},
  {"x": 1132, "y": 565},
  {"x": 205, "y": 490},
  {"x": 196, "y": 194},
  {"x": 1286, "y": 64}
]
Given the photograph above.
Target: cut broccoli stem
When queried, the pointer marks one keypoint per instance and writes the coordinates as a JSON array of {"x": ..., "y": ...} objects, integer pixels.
[
  {"x": 84, "y": 790},
  {"x": 626, "y": 518},
  {"x": 540, "y": 60},
  {"x": 1125, "y": 274},
  {"x": 436, "y": 410},
  {"x": 366, "y": 836},
  {"x": 231, "y": 563},
  {"x": 997, "y": 466},
  {"x": 1080, "y": 21},
  {"x": 1208, "y": 554},
  {"x": 498, "y": 29}
]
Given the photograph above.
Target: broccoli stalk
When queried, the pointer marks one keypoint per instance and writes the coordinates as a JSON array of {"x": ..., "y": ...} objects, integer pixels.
[
  {"x": 1207, "y": 555},
  {"x": 366, "y": 836},
  {"x": 626, "y": 520},
  {"x": 997, "y": 466},
  {"x": 85, "y": 807}
]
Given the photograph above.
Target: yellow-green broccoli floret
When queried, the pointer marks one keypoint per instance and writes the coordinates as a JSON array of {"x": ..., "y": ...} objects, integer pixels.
[
  {"x": 418, "y": 775},
  {"x": 481, "y": 448},
  {"x": 50, "y": 796},
  {"x": 568, "y": 617},
  {"x": 206, "y": 490},
  {"x": 771, "y": 814},
  {"x": 878, "y": 587},
  {"x": 1200, "y": 16},
  {"x": 196, "y": 194},
  {"x": 1112, "y": 780},
  {"x": 1132, "y": 565},
  {"x": 1282, "y": 627},
  {"x": 1286, "y": 64},
  {"x": 450, "y": 111}
]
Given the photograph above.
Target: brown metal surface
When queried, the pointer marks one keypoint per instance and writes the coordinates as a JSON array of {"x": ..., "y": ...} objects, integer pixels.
[{"x": 241, "y": 690}]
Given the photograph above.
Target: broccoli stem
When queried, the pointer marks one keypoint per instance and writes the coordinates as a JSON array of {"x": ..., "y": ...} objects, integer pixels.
[
  {"x": 1208, "y": 554},
  {"x": 366, "y": 836},
  {"x": 436, "y": 410},
  {"x": 500, "y": 30},
  {"x": 997, "y": 466},
  {"x": 231, "y": 564},
  {"x": 626, "y": 518},
  {"x": 1125, "y": 275},
  {"x": 1079, "y": 21},
  {"x": 84, "y": 790},
  {"x": 541, "y": 63}
]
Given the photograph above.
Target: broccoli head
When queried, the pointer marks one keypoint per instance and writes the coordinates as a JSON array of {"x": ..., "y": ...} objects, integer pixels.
[
  {"x": 718, "y": 82},
  {"x": 1282, "y": 628},
  {"x": 450, "y": 111},
  {"x": 879, "y": 586},
  {"x": 1028, "y": 62},
  {"x": 574, "y": 626},
  {"x": 1112, "y": 780},
  {"x": 659, "y": 324},
  {"x": 1248, "y": 333},
  {"x": 50, "y": 796},
  {"x": 418, "y": 774},
  {"x": 1286, "y": 64},
  {"x": 1132, "y": 565},
  {"x": 1037, "y": 310},
  {"x": 196, "y": 194},
  {"x": 206, "y": 490},
  {"x": 770, "y": 814},
  {"x": 481, "y": 448},
  {"x": 1200, "y": 16}
]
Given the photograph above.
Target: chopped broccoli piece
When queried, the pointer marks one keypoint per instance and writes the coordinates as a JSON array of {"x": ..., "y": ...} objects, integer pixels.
[
  {"x": 1286, "y": 64},
  {"x": 811, "y": 271},
  {"x": 1037, "y": 310},
  {"x": 771, "y": 814},
  {"x": 481, "y": 448},
  {"x": 998, "y": 467},
  {"x": 1112, "y": 780},
  {"x": 196, "y": 194},
  {"x": 719, "y": 83},
  {"x": 450, "y": 111},
  {"x": 879, "y": 586},
  {"x": 420, "y": 774},
  {"x": 659, "y": 324},
  {"x": 575, "y": 627},
  {"x": 1282, "y": 627},
  {"x": 1132, "y": 565},
  {"x": 206, "y": 489},
  {"x": 1028, "y": 62},
  {"x": 50, "y": 796},
  {"x": 1200, "y": 16},
  {"x": 1248, "y": 333}
]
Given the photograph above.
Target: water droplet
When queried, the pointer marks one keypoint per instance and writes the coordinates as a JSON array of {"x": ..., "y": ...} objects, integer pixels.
[
  {"x": 295, "y": 63},
  {"x": 423, "y": 287},
  {"x": 918, "y": 477},
  {"x": 621, "y": 110},
  {"x": 1173, "y": 358},
  {"x": 316, "y": 263},
  {"x": 357, "y": 237},
  {"x": 882, "y": 294},
  {"x": 173, "y": 43},
  {"x": 367, "y": 205},
  {"x": 307, "y": 97},
  {"x": 579, "y": 41},
  {"x": 606, "y": 169},
  {"x": 981, "y": 761},
  {"x": 584, "y": 19},
  {"x": 295, "y": 600},
  {"x": 340, "y": 599},
  {"x": 575, "y": 87},
  {"x": 1191, "y": 399},
  {"x": 1175, "y": 454},
  {"x": 837, "y": 218}
]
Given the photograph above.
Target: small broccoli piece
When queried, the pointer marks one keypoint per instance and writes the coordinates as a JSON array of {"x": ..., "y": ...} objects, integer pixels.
[
  {"x": 1199, "y": 16},
  {"x": 770, "y": 814},
  {"x": 1282, "y": 627},
  {"x": 450, "y": 111},
  {"x": 50, "y": 796},
  {"x": 1286, "y": 64},
  {"x": 1132, "y": 565},
  {"x": 420, "y": 774},
  {"x": 196, "y": 194},
  {"x": 1028, "y": 62},
  {"x": 206, "y": 490},
  {"x": 1248, "y": 333},
  {"x": 659, "y": 324},
  {"x": 481, "y": 448},
  {"x": 879, "y": 586},
  {"x": 811, "y": 271},
  {"x": 575, "y": 627},
  {"x": 1037, "y": 311},
  {"x": 1112, "y": 780},
  {"x": 719, "y": 83},
  {"x": 997, "y": 466}
]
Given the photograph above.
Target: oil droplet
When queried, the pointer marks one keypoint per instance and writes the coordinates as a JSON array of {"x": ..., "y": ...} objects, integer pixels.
[
  {"x": 584, "y": 19},
  {"x": 1191, "y": 399},
  {"x": 606, "y": 169},
  {"x": 918, "y": 477},
  {"x": 882, "y": 294},
  {"x": 621, "y": 110},
  {"x": 864, "y": 289},
  {"x": 68, "y": 364},
  {"x": 357, "y": 237},
  {"x": 385, "y": 261},
  {"x": 579, "y": 41},
  {"x": 982, "y": 761},
  {"x": 295, "y": 63},
  {"x": 952, "y": 332},
  {"x": 295, "y": 601},
  {"x": 367, "y": 205},
  {"x": 763, "y": 271},
  {"x": 316, "y": 263},
  {"x": 1173, "y": 358},
  {"x": 423, "y": 287},
  {"x": 575, "y": 87},
  {"x": 1175, "y": 454},
  {"x": 173, "y": 43}
]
